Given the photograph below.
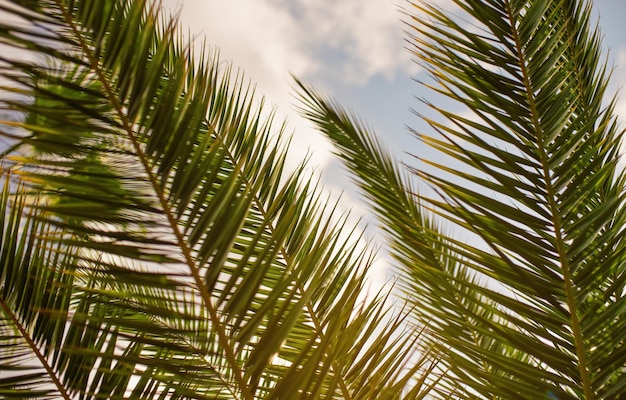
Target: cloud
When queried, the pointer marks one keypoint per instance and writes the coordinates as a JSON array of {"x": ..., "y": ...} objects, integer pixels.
[
  {"x": 348, "y": 39},
  {"x": 360, "y": 39}
]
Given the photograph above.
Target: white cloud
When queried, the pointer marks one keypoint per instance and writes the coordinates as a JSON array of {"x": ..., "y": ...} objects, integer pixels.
[
  {"x": 351, "y": 38},
  {"x": 361, "y": 39}
]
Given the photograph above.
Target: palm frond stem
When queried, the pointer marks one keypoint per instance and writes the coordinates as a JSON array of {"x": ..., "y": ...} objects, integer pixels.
[
  {"x": 44, "y": 362},
  {"x": 554, "y": 212}
]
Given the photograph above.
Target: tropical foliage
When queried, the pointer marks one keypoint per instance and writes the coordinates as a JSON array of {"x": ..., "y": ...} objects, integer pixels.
[
  {"x": 533, "y": 306},
  {"x": 153, "y": 243}
]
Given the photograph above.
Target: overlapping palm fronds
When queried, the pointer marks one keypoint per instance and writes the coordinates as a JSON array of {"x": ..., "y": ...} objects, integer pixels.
[
  {"x": 534, "y": 307},
  {"x": 153, "y": 243}
]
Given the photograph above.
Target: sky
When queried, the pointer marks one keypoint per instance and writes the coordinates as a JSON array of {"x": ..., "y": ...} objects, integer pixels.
[{"x": 354, "y": 51}]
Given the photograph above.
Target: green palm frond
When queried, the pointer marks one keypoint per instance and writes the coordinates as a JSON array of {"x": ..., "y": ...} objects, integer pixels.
[
  {"x": 533, "y": 307},
  {"x": 154, "y": 244},
  {"x": 424, "y": 253}
]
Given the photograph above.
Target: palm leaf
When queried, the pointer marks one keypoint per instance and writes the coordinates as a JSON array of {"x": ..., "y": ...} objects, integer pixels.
[
  {"x": 535, "y": 310},
  {"x": 424, "y": 253},
  {"x": 155, "y": 245}
]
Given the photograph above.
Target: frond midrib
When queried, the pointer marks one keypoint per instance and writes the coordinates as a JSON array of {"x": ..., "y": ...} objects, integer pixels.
[
  {"x": 554, "y": 214},
  {"x": 35, "y": 349}
]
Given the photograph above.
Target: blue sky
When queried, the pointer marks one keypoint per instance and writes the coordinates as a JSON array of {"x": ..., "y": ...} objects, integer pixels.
[{"x": 351, "y": 49}]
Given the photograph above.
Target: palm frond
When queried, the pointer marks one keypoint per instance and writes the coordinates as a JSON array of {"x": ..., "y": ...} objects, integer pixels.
[
  {"x": 425, "y": 255},
  {"x": 179, "y": 257},
  {"x": 541, "y": 138},
  {"x": 533, "y": 307}
]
